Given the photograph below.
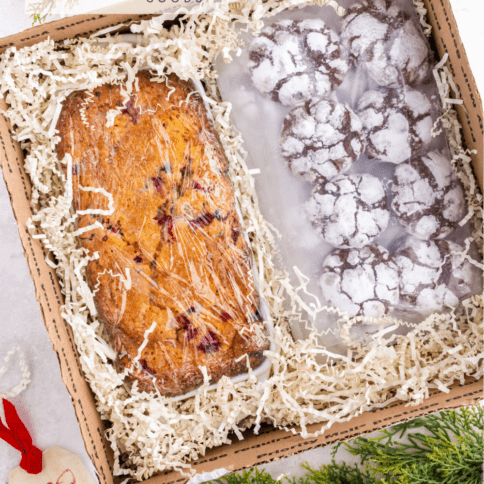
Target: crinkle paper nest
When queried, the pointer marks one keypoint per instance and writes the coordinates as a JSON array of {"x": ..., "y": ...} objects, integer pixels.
[{"x": 151, "y": 433}]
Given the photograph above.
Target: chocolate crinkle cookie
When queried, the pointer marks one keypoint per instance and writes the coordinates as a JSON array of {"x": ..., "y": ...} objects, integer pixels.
[
  {"x": 321, "y": 139},
  {"x": 293, "y": 60},
  {"x": 361, "y": 282},
  {"x": 434, "y": 274},
  {"x": 428, "y": 198},
  {"x": 397, "y": 122},
  {"x": 386, "y": 42},
  {"x": 350, "y": 210}
]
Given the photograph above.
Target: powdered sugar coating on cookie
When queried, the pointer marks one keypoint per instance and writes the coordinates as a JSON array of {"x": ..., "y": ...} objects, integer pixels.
[
  {"x": 350, "y": 210},
  {"x": 398, "y": 123},
  {"x": 386, "y": 42},
  {"x": 428, "y": 198},
  {"x": 292, "y": 60},
  {"x": 361, "y": 282},
  {"x": 465, "y": 277},
  {"x": 434, "y": 274},
  {"x": 321, "y": 139}
]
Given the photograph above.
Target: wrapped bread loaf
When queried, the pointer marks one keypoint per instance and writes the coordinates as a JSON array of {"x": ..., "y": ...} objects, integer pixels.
[{"x": 174, "y": 233}]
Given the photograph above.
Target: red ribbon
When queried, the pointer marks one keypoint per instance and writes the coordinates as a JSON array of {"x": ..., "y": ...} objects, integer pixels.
[{"x": 19, "y": 438}]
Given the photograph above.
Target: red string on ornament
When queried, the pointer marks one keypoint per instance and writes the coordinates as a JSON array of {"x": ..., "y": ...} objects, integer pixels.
[{"x": 19, "y": 438}]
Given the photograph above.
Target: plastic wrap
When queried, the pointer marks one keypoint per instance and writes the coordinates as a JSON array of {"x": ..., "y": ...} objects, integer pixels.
[
  {"x": 172, "y": 270},
  {"x": 360, "y": 188}
]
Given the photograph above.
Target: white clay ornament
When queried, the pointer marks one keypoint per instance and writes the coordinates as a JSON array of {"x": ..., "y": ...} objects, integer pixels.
[
  {"x": 59, "y": 466},
  {"x": 54, "y": 466}
]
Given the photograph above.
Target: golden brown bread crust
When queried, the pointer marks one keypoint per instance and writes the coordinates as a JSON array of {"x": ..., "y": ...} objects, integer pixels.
[{"x": 174, "y": 227}]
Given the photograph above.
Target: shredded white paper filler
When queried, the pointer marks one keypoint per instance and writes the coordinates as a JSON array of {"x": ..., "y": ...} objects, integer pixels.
[{"x": 25, "y": 374}]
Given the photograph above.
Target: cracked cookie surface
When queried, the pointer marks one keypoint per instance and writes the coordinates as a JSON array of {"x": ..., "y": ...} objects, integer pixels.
[
  {"x": 386, "y": 42},
  {"x": 321, "y": 139},
  {"x": 293, "y": 60},
  {"x": 361, "y": 282},
  {"x": 397, "y": 122},
  {"x": 350, "y": 210},
  {"x": 428, "y": 198},
  {"x": 434, "y": 274}
]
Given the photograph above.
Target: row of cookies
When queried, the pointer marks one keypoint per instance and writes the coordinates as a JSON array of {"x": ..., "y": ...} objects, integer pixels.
[
  {"x": 292, "y": 61},
  {"x": 426, "y": 198},
  {"x": 322, "y": 138},
  {"x": 424, "y": 276}
]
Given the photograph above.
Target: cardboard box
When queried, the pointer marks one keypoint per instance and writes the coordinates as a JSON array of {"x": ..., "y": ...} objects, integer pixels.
[{"x": 270, "y": 444}]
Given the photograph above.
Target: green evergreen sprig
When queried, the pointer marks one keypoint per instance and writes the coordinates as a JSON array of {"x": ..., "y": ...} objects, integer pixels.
[
  {"x": 336, "y": 474},
  {"x": 327, "y": 474},
  {"x": 251, "y": 476},
  {"x": 37, "y": 18},
  {"x": 450, "y": 452}
]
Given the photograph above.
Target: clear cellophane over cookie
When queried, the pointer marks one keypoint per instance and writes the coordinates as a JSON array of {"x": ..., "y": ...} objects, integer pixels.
[{"x": 358, "y": 177}]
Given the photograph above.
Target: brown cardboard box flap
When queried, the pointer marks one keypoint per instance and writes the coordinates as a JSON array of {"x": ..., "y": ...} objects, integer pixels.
[
  {"x": 272, "y": 444},
  {"x": 68, "y": 28}
]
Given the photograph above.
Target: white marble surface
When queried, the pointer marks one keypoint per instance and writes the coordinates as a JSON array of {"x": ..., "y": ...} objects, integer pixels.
[{"x": 45, "y": 405}]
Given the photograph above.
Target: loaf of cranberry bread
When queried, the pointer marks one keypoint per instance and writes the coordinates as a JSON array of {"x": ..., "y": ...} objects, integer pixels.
[{"x": 174, "y": 227}]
